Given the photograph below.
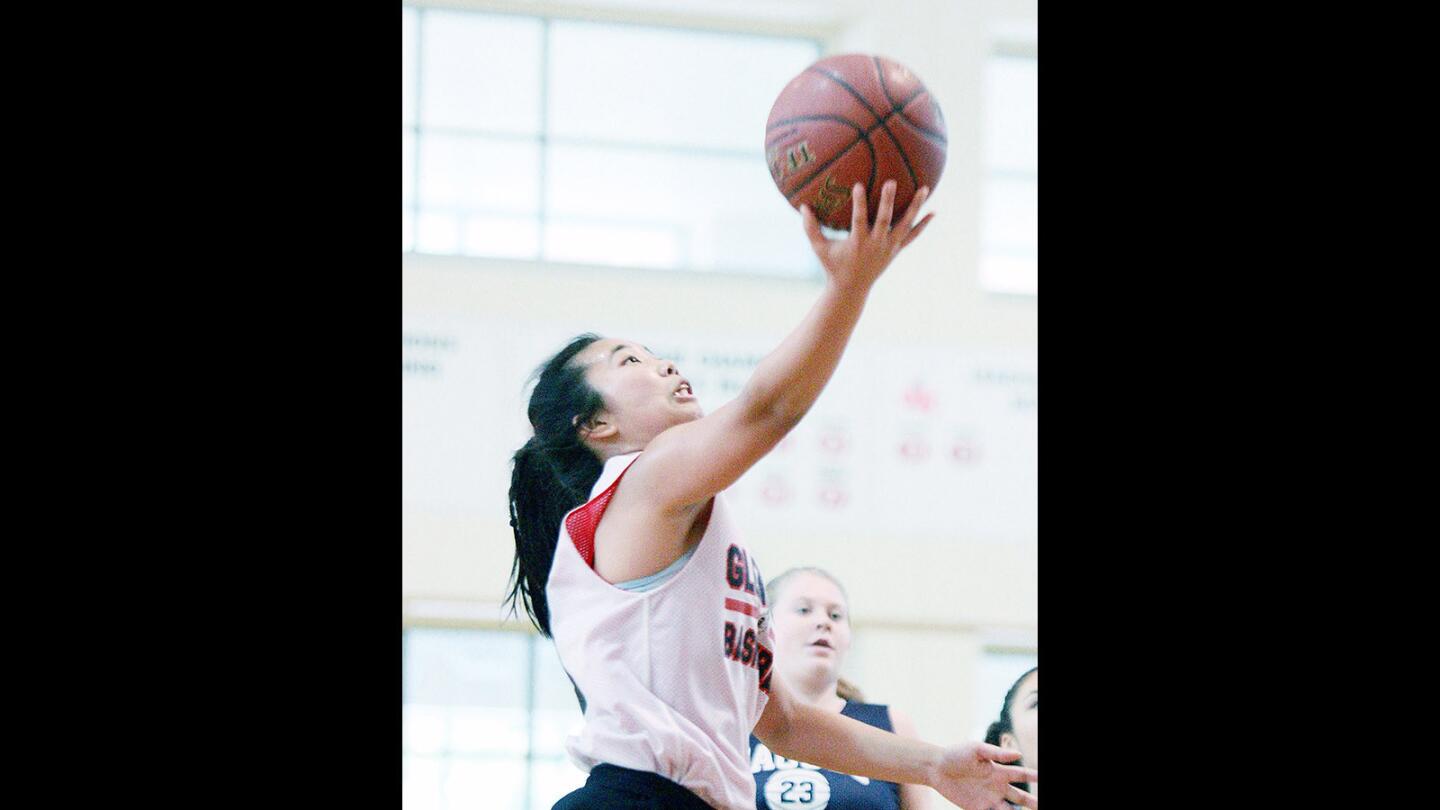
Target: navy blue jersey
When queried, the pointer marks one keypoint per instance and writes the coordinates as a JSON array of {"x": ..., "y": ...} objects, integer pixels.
[{"x": 784, "y": 784}]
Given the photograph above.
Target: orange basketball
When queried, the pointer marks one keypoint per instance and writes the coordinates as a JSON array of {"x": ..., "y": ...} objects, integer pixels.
[{"x": 854, "y": 118}]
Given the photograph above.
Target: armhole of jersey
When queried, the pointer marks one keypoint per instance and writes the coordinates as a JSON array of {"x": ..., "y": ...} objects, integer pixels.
[
  {"x": 890, "y": 718},
  {"x": 582, "y": 522}
]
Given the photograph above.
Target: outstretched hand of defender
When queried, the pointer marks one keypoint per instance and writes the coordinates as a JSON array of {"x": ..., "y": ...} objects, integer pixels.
[
  {"x": 858, "y": 260},
  {"x": 972, "y": 775}
]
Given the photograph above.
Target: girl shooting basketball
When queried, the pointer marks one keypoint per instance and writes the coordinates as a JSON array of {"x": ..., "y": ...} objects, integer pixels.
[{"x": 626, "y": 555}]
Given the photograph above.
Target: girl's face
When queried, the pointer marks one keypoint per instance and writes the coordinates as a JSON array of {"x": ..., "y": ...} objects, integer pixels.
[
  {"x": 812, "y": 626},
  {"x": 644, "y": 395},
  {"x": 1025, "y": 719}
]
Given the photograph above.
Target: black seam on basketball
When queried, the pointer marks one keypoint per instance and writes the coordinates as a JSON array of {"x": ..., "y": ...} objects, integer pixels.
[
  {"x": 869, "y": 184},
  {"x": 859, "y": 136},
  {"x": 916, "y": 124},
  {"x": 880, "y": 74},
  {"x": 842, "y": 153},
  {"x": 852, "y": 91},
  {"x": 927, "y": 134},
  {"x": 838, "y": 154},
  {"x": 879, "y": 121},
  {"x": 905, "y": 159},
  {"x": 914, "y": 181},
  {"x": 859, "y": 130}
]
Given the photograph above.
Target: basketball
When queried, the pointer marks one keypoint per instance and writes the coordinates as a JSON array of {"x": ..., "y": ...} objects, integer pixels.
[{"x": 854, "y": 118}]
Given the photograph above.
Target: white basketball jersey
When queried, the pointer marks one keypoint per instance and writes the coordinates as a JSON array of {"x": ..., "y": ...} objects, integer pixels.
[{"x": 673, "y": 678}]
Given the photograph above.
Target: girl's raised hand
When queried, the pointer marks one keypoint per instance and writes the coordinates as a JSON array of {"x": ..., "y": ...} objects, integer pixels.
[{"x": 854, "y": 263}]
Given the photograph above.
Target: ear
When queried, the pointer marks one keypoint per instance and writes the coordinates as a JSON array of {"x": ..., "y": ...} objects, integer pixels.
[
  {"x": 597, "y": 429},
  {"x": 1010, "y": 741}
]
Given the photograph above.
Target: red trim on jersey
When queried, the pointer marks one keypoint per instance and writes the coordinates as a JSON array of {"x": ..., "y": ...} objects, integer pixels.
[
  {"x": 582, "y": 522},
  {"x": 742, "y": 607}
]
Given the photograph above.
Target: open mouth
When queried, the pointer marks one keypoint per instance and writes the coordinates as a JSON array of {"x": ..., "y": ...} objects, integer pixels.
[{"x": 683, "y": 391}]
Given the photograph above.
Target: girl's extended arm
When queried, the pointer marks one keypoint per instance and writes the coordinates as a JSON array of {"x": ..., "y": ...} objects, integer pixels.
[
  {"x": 691, "y": 462},
  {"x": 971, "y": 775}
]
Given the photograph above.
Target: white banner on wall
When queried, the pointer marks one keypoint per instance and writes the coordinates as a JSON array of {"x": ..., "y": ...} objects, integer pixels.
[{"x": 904, "y": 439}]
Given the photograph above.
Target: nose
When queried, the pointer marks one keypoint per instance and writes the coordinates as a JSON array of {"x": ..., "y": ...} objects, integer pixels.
[{"x": 667, "y": 368}]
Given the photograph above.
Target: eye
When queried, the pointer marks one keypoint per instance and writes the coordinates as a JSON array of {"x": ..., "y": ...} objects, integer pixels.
[
  {"x": 629, "y": 358},
  {"x": 836, "y": 616},
  {"x": 802, "y": 610}
]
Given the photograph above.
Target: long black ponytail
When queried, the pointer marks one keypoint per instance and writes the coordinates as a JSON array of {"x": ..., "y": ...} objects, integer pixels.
[{"x": 552, "y": 474}]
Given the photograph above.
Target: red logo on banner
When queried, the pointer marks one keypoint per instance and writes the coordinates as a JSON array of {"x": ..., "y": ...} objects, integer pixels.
[
  {"x": 914, "y": 450},
  {"x": 920, "y": 399},
  {"x": 965, "y": 453},
  {"x": 775, "y": 492}
]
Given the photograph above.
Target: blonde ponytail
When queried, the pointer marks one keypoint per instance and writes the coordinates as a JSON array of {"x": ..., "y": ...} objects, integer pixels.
[{"x": 849, "y": 691}]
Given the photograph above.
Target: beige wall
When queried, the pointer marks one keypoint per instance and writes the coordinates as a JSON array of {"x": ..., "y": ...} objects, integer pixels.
[{"x": 925, "y": 607}]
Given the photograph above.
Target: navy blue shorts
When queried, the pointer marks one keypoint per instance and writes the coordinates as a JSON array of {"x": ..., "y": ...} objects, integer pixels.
[{"x": 614, "y": 788}]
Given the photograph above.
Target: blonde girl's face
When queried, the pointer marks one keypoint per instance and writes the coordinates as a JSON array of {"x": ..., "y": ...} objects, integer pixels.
[{"x": 812, "y": 624}]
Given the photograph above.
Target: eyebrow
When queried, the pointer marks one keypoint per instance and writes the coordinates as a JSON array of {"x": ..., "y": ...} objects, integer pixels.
[
  {"x": 625, "y": 346},
  {"x": 831, "y": 605}
]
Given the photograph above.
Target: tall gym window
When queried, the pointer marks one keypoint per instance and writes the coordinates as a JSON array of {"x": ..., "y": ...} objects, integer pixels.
[
  {"x": 1010, "y": 206},
  {"x": 595, "y": 143}
]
